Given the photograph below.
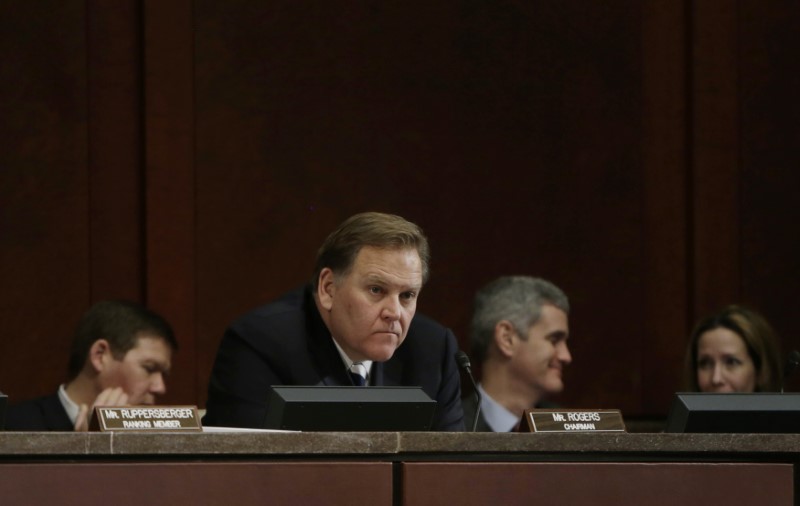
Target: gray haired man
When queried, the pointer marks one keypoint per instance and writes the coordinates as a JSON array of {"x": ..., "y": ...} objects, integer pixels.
[{"x": 519, "y": 335}]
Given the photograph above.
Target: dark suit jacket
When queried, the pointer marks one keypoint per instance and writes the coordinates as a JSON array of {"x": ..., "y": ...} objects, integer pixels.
[
  {"x": 287, "y": 343},
  {"x": 42, "y": 414},
  {"x": 470, "y": 404}
]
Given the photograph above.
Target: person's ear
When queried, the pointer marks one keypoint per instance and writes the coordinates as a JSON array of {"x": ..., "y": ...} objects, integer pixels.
[
  {"x": 505, "y": 337},
  {"x": 100, "y": 354},
  {"x": 326, "y": 288}
]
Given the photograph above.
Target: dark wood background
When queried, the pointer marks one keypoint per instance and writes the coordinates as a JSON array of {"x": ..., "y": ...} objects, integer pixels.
[{"x": 192, "y": 155}]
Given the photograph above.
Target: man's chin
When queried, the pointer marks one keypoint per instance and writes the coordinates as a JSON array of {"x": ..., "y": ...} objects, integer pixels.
[
  {"x": 381, "y": 353},
  {"x": 555, "y": 387},
  {"x": 382, "y": 349}
]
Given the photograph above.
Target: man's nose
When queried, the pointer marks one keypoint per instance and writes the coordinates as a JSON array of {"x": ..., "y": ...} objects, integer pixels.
[
  {"x": 157, "y": 384},
  {"x": 391, "y": 308},
  {"x": 563, "y": 353}
]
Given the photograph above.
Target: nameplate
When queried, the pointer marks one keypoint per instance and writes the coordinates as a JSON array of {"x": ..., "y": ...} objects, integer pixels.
[
  {"x": 146, "y": 418},
  {"x": 572, "y": 420}
]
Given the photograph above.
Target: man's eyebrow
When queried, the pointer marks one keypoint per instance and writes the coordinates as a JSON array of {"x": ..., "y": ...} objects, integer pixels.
[
  {"x": 380, "y": 280},
  {"x": 376, "y": 278},
  {"x": 164, "y": 366}
]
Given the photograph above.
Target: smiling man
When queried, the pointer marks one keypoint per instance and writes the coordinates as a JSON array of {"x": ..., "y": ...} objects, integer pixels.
[
  {"x": 519, "y": 334},
  {"x": 355, "y": 323},
  {"x": 120, "y": 355}
]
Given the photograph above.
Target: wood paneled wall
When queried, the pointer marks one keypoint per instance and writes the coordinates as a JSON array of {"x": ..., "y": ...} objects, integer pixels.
[{"x": 192, "y": 155}]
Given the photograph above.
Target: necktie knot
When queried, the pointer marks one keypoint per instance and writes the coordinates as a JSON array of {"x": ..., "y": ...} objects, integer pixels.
[{"x": 358, "y": 372}]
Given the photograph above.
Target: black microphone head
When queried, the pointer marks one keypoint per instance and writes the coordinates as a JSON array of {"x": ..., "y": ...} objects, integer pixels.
[{"x": 462, "y": 359}]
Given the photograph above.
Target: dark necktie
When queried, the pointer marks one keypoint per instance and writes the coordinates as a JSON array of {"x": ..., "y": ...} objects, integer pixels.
[{"x": 359, "y": 374}]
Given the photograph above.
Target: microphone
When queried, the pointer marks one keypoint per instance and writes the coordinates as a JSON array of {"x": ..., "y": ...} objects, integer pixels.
[
  {"x": 463, "y": 362},
  {"x": 792, "y": 361}
]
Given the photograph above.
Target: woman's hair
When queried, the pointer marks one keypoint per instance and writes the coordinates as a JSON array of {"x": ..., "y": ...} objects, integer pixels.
[{"x": 759, "y": 339}]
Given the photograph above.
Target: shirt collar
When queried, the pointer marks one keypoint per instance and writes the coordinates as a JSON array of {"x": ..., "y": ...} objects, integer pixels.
[
  {"x": 70, "y": 407},
  {"x": 497, "y": 417},
  {"x": 348, "y": 362}
]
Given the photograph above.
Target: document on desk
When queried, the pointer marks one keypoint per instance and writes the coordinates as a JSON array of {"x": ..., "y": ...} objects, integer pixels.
[{"x": 207, "y": 428}]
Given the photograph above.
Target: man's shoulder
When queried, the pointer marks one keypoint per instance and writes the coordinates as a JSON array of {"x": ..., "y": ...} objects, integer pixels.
[
  {"x": 36, "y": 404},
  {"x": 422, "y": 324},
  {"x": 427, "y": 340},
  {"x": 283, "y": 325},
  {"x": 290, "y": 309},
  {"x": 42, "y": 413},
  {"x": 289, "y": 302}
]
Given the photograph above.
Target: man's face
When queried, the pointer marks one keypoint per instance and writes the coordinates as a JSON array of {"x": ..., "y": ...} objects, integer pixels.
[
  {"x": 540, "y": 359},
  {"x": 141, "y": 372},
  {"x": 368, "y": 310}
]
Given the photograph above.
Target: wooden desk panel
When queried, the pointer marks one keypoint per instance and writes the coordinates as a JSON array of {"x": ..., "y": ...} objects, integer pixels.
[
  {"x": 407, "y": 468},
  {"x": 239, "y": 483},
  {"x": 613, "y": 484}
]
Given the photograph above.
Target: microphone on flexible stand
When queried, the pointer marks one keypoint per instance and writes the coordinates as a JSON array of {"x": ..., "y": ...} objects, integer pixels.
[
  {"x": 792, "y": 361},
  {"x": 463, "y": 362}
]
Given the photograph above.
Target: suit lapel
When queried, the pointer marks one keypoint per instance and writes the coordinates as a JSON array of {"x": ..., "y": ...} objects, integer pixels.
[
  {"x": 377, "y": 376},
  {"x": 326, "y": 357},
  {"x": 389, "y": 373},
  {"x": 329, "y": 363}
]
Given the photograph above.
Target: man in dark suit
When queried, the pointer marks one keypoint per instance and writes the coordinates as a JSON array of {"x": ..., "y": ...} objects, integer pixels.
[
  {"x": 519, "y": 335},
  {"x": 355, "y": 320},
  {"x": 119, "y": 356}
]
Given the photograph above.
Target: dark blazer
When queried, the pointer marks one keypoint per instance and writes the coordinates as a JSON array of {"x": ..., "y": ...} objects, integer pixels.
[
  {"x": 287, "y": 343},
  {"x": 470, "y": 404},
  {"x": 42, "y": 414}
]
